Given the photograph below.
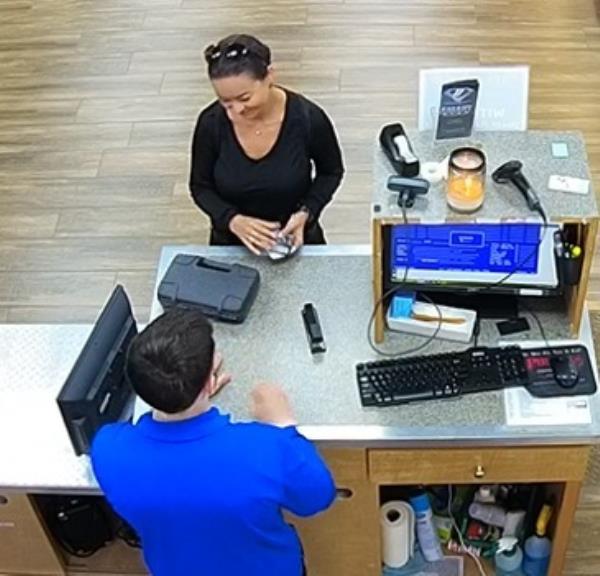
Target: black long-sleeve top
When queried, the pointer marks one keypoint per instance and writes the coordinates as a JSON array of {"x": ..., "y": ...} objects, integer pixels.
[{"x": 304, "y": 166}]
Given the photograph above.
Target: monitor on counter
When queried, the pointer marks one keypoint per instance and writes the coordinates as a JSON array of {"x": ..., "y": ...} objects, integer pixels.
[
  {"x": 504, "y": 257},
  {"x": 96, "y": 391}
]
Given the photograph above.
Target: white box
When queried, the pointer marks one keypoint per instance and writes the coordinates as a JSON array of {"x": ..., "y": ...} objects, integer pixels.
[{"x": 455, "y": 332}]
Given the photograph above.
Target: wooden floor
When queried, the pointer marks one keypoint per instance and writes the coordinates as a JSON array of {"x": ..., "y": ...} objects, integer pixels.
[{"x": 98, "y": 100}]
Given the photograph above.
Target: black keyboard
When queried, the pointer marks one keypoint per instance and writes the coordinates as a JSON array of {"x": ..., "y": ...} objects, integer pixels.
[{"x": 402, "y": 380}]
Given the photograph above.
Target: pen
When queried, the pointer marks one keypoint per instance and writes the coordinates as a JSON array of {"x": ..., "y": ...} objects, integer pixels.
[{"x": 558, "y": 246}]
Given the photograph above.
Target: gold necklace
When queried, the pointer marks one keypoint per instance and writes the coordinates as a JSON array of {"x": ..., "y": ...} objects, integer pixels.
[{"x": 259, "y": 131}]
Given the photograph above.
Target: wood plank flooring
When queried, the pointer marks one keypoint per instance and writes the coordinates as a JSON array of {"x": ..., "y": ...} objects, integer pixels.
[{"x": 98, "y": 101}]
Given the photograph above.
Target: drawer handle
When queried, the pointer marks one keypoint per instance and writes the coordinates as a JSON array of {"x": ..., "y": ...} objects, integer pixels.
[
  {"x": 479, "y": 471},
  {"x": 343, "y": 493}
]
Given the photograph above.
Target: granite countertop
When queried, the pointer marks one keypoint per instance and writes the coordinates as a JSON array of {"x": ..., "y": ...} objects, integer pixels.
[
  {"x": 269, "y": 346},
  {"x": 533, "y": 148}
]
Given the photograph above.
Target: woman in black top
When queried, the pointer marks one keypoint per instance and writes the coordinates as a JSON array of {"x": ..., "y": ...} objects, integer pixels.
[{"x": 265, "y": 161}]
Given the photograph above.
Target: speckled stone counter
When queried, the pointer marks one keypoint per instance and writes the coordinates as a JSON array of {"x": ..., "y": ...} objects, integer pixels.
[
  {"x": 270, "y": 346},
  {"x": 533, "y": 148}
]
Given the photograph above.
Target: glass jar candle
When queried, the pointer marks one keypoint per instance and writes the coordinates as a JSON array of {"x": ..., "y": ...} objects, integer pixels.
[{"x": 466, "y": 179}]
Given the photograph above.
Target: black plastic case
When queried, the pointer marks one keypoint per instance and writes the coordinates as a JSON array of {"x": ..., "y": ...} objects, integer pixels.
[{"x": 221, "y": 291}]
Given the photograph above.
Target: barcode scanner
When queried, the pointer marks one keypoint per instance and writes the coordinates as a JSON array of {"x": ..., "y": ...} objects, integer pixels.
[{"x": 511, "y": 172}]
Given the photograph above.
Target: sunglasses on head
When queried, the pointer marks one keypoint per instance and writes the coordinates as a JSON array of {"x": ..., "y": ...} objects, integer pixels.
[{"x": 232, "y": 52}]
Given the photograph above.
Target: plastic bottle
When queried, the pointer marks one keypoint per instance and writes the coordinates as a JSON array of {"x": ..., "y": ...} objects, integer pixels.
[
  {"x": 426, "y": 532},
  {"x": 488, "y": 513},
  {"x": 538, "y": 547},
  {"x": 485, "y": 494},
  {"x": 508, "y": 557}
]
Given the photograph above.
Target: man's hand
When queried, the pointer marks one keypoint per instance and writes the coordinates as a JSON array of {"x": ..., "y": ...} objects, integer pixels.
[
  {"x": 256, "y": 234},
  {"x": 271, "y": 405},
  {"x": 219, "y": 379},
  {"x": 295, "y": 227}
]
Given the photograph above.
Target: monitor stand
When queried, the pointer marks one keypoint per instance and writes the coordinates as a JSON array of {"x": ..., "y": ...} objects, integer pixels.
[{"x": 496, "y": 306}]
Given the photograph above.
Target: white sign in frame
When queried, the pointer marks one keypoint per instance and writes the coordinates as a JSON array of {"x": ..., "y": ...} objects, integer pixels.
[{"x": 503, "y": 98}]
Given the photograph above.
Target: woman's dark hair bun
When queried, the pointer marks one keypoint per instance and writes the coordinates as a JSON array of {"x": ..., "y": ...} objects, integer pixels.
[{"x": 238, "y": 54}]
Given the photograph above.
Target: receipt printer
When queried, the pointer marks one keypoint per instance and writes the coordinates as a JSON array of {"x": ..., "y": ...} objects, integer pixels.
[{"x": 221, "y": 291}]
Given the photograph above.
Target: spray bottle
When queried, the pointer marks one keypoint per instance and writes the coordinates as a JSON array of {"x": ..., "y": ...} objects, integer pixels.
[{"x": 508, "y": 557}]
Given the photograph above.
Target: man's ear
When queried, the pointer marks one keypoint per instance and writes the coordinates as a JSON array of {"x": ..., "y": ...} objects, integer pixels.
[{"x": 211, "y": 380}]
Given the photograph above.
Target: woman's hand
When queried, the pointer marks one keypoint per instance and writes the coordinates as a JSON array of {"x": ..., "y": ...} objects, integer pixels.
[
  {"x": 295, "y": 227},
  {"x": 256, "y": 234}
]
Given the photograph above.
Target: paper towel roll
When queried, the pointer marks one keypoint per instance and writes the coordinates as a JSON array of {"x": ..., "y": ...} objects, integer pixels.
[{"x": 397, "y": 521}]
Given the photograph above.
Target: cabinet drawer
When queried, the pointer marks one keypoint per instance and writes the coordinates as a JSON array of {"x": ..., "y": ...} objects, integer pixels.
[
  {"x": 346, "y": 463},
  {"x": 473, "y": 465},
  {"x": 24, "y": 545}
]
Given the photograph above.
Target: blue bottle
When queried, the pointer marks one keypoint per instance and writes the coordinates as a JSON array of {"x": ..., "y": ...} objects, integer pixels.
[
  {"x": 538, "y": 547},
  {"x": 426, "y": 532},
  {"x": 537, "y": 556}
]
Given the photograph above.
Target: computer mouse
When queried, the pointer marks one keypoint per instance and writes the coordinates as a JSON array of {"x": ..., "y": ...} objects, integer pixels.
[{"x": 565, "y": 372}]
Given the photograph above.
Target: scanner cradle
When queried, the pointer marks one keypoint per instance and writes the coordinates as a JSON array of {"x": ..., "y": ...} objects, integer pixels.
[
  {"x": 408, "y": 189},
  {"x": 396, "y": 146},
  {"x": 221, "y": 291}
]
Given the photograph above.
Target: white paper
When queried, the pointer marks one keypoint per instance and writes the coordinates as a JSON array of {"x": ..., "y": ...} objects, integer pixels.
[{"x": 522, "y": 409}]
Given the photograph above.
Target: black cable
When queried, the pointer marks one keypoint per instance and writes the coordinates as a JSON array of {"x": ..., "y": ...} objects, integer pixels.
[
  {"x": 477, "y": 289},
  {"x": 72, "y": 551},
  {"x": 62, "y": 515},
  {"x": 392, "y": 291},
  {"x": 476, "y": 331},
  {"x": 519, "y": 266},
  {"x": 542, "y": 213},
  {"x": 126, "y": 533},
  {"x": 539, "y": 324},
  {"x": 417, "y": 348}
]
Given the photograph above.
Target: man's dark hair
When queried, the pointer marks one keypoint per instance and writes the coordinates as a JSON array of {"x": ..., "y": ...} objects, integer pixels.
[
  {"x": 169, "y": 362},
  {"x": 238, "y": 54}
]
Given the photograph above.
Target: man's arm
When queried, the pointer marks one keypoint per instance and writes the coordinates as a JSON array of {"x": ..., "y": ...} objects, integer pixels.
[{"x": 308, "y": 486}]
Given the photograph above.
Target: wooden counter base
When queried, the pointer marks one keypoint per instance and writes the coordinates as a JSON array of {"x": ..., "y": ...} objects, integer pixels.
[{"x": 345, "y": 539}]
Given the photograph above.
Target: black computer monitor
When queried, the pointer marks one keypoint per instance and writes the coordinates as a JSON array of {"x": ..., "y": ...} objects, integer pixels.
[
  {"x": 502, "y": 257},
  {"x": 96, "y": 391}
]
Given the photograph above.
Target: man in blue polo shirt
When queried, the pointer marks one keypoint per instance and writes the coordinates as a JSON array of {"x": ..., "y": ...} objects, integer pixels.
[{"x": 206, "y": 495}]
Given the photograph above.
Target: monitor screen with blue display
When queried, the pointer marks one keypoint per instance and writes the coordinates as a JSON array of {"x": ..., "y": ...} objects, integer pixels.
[{"x": 473, "y": 253}]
